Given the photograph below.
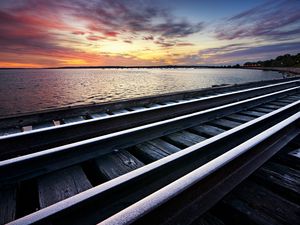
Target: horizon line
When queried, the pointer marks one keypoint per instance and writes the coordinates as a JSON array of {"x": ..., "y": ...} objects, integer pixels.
[{"x": 124, "y": 67}]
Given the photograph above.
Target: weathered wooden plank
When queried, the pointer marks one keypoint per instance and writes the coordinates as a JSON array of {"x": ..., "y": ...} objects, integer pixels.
[
  {"x": 7, "y": 131},
  {"x": 57, "y": 122},
  {"x": 282, "y": 178},
  {"x": 290, "y": 158},
  {"x": 271, "y": 106},
  {"x": 184, "y": 138},
  {"x": 99, "y": 115},
  {"x": 42, "y": 125},
  {"x": 286, "y": 101},
  {"x": 262, "y": 206},
  {"x": 164, "y": 146},
  {"x": 294, "y": 95},
  {"x": 253, "y": 113},
  {"x": 154, "y": 105},
  {"x": 178, "y": 100},
  {"x": 26, "y": 128},
  {"x": 295, "y": 153},
  {"x": 208, "y": 219},
  {"x": 189, "y": 99},
  {"x": 208, "y": 130},
  {"x": 117, "y": 163},
  {"x": 240, "y": 118},
  {"x": 119, "y": 111},
  {"x": 137, "y": 108},
  {"x": 154, "y": 150},
  {"x": 8, "y": 204},
  {"x": 149, "y": 153},
  {"x": 182, "y": 100},
  {"x": 224, "y": 123},
  {"x": 60, "y": 185},
  {"x": 73, "y": 119},
  {"x": 168, "y": 103},
  {"x": 262, "y": 109},
  {"x": 279, "y": 103},
  {"x": 292, "y": 98}
]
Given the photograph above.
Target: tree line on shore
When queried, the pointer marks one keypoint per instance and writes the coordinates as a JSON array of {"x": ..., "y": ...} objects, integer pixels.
[{"x": 280, "y": 61}]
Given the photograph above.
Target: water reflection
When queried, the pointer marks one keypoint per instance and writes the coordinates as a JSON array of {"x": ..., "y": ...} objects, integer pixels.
[{"x": 32, "y": 90}]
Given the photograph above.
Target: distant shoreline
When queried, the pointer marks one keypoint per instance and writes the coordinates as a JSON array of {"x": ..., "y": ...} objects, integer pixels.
[
  {"x": 130, "y": 67},
  {"x": 289, "y": 70}
]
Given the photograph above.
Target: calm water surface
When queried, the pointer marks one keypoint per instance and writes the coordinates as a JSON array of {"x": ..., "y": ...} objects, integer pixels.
[{"x": 32, "y": 90}]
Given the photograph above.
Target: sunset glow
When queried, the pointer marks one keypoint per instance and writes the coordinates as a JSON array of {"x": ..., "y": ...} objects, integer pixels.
[{"x": 37, "y": 33}]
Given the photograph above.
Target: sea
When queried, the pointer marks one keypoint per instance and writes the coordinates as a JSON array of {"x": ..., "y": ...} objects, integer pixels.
[{"x": 31, "y": 90}]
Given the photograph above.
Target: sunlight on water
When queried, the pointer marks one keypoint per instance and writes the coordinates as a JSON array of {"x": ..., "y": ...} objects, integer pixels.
[{"x": 33, "y": 90}]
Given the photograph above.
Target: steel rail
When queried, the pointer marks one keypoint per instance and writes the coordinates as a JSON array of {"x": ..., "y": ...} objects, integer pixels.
[
  {"x": 34, "y": 164},
  {"x": 36, "y": 140},
  {"x": 117, "y": 194},
  {"x": 185, "y": 199}
]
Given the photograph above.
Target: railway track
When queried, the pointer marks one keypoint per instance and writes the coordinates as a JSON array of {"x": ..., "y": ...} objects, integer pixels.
[{"x": 136, "y": 173}]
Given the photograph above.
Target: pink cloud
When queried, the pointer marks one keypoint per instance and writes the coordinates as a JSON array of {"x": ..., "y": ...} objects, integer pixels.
[
  {"x": 78, "y": 32},
  {"x": 111, "y": 33},
  {"x": 95, "y": 38}
]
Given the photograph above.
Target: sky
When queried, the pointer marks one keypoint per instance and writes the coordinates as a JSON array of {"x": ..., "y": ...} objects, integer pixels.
[{"x": 57, "y": 33}]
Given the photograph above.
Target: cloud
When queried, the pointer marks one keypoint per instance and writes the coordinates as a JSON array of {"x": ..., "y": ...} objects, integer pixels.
[
  {"x": 107, "y": 16},
  {"x": 112, "y": 34},
  {"x": 149, "y": 37},
  {"x": 170, "y": 43},
  {"x": 267, "y": 51},
  {"x": 95, "y": 37},
  {"x": 164, "y": 43},
  {"x": 177, "y": 29},
  {"x": 273, "y": 20},
  {"x": 238, "y": 53},
  {"x": 77, "y": 32},
  {"x": 185, "y": 44},
  {"x": 58, "y": 28},
  {"x": 223, "y": 50},
  {"x": 22, "y": 32},
  {"x": 32, "y": 39}
]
